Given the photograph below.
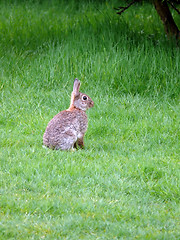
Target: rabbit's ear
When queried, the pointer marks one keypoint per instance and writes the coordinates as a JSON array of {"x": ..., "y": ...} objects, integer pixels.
[{"x": 76, "y": 86}]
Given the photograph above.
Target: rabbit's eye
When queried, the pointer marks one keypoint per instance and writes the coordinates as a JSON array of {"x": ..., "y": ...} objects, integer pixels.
[{"x": 84, "y": 98}]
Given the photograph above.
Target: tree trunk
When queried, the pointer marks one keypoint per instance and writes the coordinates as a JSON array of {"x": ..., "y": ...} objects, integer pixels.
[{"x": 167, "y": 19}]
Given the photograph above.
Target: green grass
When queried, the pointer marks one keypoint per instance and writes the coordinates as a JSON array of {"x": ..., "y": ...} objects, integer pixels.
[{"x": 125, "y": 184}]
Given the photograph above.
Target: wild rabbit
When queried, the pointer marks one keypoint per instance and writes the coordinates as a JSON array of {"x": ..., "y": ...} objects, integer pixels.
[{"x": 66, "y": 130}]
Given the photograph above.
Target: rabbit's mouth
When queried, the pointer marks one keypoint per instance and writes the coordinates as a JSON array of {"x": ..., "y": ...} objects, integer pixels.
[{"x": 91, "y": 104}]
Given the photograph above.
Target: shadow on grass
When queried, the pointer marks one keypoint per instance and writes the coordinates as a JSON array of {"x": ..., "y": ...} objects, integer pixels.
[{"x": 39, "y": 24}]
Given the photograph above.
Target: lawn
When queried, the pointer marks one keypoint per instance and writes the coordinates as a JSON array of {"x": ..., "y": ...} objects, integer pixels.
[{"x": 125, "y": 183}]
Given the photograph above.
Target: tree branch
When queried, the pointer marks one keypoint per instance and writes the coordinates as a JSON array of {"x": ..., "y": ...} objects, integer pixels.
[
  {"x": 123, "y": 9},
  {"x": 172, "y": 5}
]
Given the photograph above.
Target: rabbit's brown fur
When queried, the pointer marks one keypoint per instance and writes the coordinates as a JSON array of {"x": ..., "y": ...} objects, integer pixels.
[{"x": 66, "y": 130}]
